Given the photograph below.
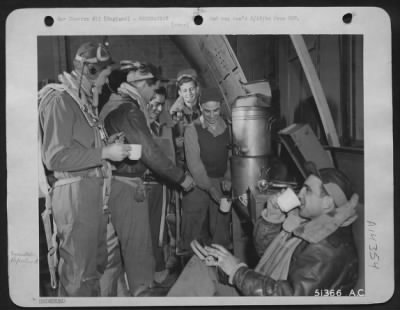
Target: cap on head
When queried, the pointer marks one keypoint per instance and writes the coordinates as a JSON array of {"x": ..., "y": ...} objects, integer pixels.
[
  {"x": 94, "y": 54},
  {"x": 187, "y": 73},
  {"x": 210, "y": 100},
  {"x": 137, "y": 71},
  {"x": 335, "y": 182},
  {"x": 161, "y": 91},
  {"x": 115, "y": 79}
]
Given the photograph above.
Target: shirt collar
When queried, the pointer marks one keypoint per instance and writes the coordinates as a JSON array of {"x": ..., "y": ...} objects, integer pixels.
[
  {"x": 216, "y": 130},
  {"x": 190, "y": 110}
]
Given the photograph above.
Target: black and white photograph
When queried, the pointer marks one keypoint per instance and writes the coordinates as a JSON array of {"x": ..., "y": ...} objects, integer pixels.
[{"x": 189, "y": 164}]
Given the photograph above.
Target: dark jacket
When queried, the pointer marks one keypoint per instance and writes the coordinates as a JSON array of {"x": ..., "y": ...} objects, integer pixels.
[
  {"x": 129, "y": 119},
  {"x": 329, "y": 264}
]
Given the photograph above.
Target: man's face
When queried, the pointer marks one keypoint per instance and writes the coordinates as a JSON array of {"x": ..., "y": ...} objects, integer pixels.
[
  {"x": 102, "y": 78},
  {"x": 155, "y": 106},
  {"x": 211, "y": 111},
  {"x": 189, "y": 92},
  {"x": 311, "y": 198}
]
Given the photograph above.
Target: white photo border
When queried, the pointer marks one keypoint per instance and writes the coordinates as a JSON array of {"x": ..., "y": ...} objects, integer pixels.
[{"x": 25, "y": 25}]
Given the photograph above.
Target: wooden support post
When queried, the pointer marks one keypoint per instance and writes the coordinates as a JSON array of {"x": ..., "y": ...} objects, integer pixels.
[{"x": 316, "y": 89}]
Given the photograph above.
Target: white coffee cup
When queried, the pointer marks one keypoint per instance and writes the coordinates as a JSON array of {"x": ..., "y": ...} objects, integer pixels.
[
  {"x": 225, "y": 205},
  {"x": 135, "y": 152},
  {"x": 288, "y": 200}
]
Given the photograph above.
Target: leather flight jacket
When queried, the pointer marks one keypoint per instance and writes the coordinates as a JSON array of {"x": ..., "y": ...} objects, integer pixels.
[{"x": 329, "y": 264}]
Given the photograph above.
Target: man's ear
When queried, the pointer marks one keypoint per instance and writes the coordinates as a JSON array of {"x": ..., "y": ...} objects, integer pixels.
[
  {"x": 140, "y": 84},
  {"x": 179, "y": 93},
  {"x": 327, "y": 203}
]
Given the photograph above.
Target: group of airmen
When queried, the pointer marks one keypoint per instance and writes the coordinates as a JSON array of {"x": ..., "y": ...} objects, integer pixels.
[{"x": 109, "y": 207}]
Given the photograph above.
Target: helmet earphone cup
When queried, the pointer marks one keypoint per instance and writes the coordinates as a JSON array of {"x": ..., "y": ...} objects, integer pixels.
[{"x": 92, "y": 70}]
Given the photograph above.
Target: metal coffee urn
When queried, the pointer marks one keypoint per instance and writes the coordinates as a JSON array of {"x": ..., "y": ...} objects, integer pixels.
[{"x": 251, "y": 146}]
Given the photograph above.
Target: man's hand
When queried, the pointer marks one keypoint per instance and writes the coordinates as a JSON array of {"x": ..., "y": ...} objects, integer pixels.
[
  {"x": 215, "y": 194},
  {"x": 226, "y": 185},
  {"x": 115, "y": 151},
  {"x": 201, "y": 253},
  {"x": 225, "y": 260},
  {"x": 179, "y": 142},
  {"x": 116, "y": 138},
  {"x": 273, "y": 213},
  {"x": 188, "y": 183}
]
